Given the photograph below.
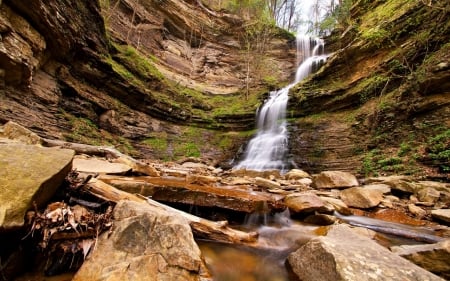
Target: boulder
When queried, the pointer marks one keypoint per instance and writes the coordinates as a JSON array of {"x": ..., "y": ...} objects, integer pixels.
[
  {"x": 334, "y": 179},
  {"x": 29, "y": 174},
  {"x": 144, "y": 245},
  {"x": 296, "y": 174},
  {"x": 304, "y": 202},
  {"x": 432, "y": 257},
  {"x": 384, "y": 188},
  {"x": 441, "y": 214},
  {"x": 265, "y": 183},
  {"x": 345, "y": 255},
  {"x": 428, "y": 195},
  {"x": 399, "y": 183},
  {"x": 360, "y": 197},
  {"x": 338, "y": 205},
  {"x": 17, "y": 132},
  {"x": 101, "y": 166}
]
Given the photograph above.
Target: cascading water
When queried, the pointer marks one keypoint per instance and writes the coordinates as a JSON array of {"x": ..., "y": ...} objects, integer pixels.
[{"x": 268, "y": 149}]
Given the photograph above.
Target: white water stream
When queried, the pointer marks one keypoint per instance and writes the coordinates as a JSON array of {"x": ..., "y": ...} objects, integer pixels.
[{"x": 268, "y": 149}]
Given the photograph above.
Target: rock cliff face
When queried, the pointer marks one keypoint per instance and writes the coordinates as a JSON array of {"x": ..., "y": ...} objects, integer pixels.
[
  {"x": 381, "y": 102},
  {"x": 121, "y": 72}
]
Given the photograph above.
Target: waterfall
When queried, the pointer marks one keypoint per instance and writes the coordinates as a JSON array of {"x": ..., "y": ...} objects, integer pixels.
[{"x": 268, "y": 149}]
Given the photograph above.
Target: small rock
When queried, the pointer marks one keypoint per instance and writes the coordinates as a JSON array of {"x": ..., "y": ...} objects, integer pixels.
[
  {"x": 416, "y": 211},
  {"x": 296, "y": 174},
  {"x": 441, "y": 214},
  {"x": 428, "y": 194},
  {"x": 334, "y": 179},
  {"x": 360, "y": 197},
  {"x": 265, "y": 183},
  {"x": 432, "y": 257}
]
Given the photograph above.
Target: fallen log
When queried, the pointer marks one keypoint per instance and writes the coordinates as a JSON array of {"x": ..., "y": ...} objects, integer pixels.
[
  {"x": 105, "y": 151},
  {"x": 178, "y": 190},
  {"x": 202, "y": 228}
]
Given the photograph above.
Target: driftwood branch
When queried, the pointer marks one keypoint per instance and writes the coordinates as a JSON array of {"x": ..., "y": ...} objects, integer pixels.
[
  {"x": 105, "y": 151},
  {"x": 218, "y": 231}
]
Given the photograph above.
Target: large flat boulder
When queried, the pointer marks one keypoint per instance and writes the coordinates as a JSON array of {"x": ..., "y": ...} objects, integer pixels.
[
  {"x": 144, "y": 245},
  {"x": 29, "y": 174},
  {"x": 345, "y": 255},
  {"x": 433, "y": 257}
]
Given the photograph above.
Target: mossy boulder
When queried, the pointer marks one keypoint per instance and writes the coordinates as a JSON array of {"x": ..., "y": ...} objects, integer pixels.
[{"x": 29, "y": 175}]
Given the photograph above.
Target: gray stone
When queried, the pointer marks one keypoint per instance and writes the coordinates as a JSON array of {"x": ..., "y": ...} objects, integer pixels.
[
  {"x": 28, "y": 174},
  {"x": 360, "y": 197},
  {"x": 144, "y": 245},
  {"x": 432, "y": 257},
  {"x": 345, "y": 255},
  {"x": 334, "y": 179}
]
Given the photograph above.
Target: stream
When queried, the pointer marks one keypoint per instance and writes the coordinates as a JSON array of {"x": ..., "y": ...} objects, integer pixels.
[{"x": 266, "y": 261}]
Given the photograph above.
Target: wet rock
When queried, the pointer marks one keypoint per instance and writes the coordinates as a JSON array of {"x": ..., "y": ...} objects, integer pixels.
[
  {"x": 345, "y": 255},
  {"x": 416, "y": 211},
  {"x": 144, "y": 244},
  {"x": 320, "y": 219},
  {"x": 296, "y": 174},
  {"x": 304, "y": 202},
  {"x": 334, "y": 179},
  {"x": 441, "y": 214},
  {"x": 360, "y": 197},
  {"x": 265, "y": 183},
  {"x": 14, "y": 131},
  {"x": 432, "y": 257},
  {"x": 29, "y": 174},
  {"x": 101, "y": 166},
  {"x": 428, "y": 194}
]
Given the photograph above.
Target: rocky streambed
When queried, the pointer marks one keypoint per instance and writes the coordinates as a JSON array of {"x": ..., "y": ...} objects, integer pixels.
[{"x": 101, "y": 215}]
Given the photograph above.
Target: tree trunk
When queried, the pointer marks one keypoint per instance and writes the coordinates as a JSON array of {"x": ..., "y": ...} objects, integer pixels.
[{"x": 218, "y": 231}]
